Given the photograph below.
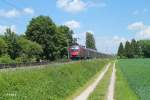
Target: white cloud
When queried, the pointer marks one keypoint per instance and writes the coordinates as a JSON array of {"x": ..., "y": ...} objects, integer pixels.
[
  {"x": 142, "y": 31},
  {"x": 145, "y": 10},
  {"x": 118, "y": 39},
  {"x": 144, "y": 34},
  {"x": 28, "y": 10},
  {"x": 74, "y": 6},
  {"x": 71, "y": 5},
  {"x": 82, "y": 37},
  {"x": 136, "y": 12},
  {"x": 109, "y": 44},
  {"x": 4, "y": 27},
  {"x": 14, "y": 12},
  {"x": 72, "y": 24},
  {"x": 140, "y": 12},
  {"x": 136, "y": 26},
  {"x": 10, "y": 13}
]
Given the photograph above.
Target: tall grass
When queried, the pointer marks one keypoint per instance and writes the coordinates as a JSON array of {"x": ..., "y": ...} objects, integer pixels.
[{"x": 47, "y": 83}]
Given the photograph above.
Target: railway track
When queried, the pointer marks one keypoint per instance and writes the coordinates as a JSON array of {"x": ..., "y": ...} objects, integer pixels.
[{"x": 18, "y": 65}]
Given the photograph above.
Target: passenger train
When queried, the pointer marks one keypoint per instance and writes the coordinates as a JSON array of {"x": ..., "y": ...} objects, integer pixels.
[{"x": 81, "y": 52}]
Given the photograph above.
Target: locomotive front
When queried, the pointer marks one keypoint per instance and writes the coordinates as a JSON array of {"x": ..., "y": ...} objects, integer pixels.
[{"x": 74, "y": 52}]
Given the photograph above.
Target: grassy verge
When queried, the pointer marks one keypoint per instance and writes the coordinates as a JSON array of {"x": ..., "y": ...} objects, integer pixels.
[
  {"x": 100, "y": 92},
  {"x": 122, "y": 90},
  {"x": 89, "y": 82},
  {"x": 52, "y": 83}
]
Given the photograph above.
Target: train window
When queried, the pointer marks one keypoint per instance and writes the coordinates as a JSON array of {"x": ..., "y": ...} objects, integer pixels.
[{"x": 74, "y": 48}]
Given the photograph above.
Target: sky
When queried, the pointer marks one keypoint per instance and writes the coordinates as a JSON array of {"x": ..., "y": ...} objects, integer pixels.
[{"x": 110, "y": 21}]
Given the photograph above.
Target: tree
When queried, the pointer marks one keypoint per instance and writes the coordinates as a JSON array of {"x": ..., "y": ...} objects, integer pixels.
[
  {"x": 64, "y": 40},
  {"x": 121, "y": 50},
  {"x": 3, "y": 47},
  {"x": 129, "y": 50},
  {"x": 90, "y": 41},
  {"x": 11, "y": 40},
  {"x": 145, "y": 47},
  {"x": 29, "y": 49},
  {"x": 67, "y": 33},
  {"x": 43, "y": 31},
  {"x": 139, "y": 50},
  {"x": 136, "y": 48}
]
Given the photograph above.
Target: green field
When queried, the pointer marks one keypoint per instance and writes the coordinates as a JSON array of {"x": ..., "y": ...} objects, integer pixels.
[
  {"x": 51, "y": 82},
  {"x": 133, "y": 79}
]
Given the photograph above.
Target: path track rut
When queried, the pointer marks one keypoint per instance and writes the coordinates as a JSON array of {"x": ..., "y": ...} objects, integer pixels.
[
  {"x": 85, "y": 94},
  {"x": 111, "y": 89}
]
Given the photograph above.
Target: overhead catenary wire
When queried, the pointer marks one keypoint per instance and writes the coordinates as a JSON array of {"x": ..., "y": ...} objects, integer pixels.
[
  {"x": 13, "y": 6},
  {"x": 10, "y": 4}
]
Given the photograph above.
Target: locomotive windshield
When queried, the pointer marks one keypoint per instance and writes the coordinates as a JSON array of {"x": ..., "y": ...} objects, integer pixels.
[{"x": 74, "y": 48}]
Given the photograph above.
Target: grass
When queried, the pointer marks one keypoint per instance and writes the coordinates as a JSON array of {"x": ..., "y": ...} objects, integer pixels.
[
  {"x": 81, "y": 89},
  {"x": 137, "y": 74},
  {"x": 122, "y": 89},
  {"x": 47, "y": 83},
  {"x": 100, "y": 93}
]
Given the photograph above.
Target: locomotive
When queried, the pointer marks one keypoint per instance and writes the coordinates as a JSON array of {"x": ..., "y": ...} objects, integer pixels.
[{"x": 81, "y": 52}]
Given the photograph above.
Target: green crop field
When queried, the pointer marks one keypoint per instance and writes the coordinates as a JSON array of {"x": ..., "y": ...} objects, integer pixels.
[
  {"x": 133, "y": 79},
  {"x": 47, "y": 83}
]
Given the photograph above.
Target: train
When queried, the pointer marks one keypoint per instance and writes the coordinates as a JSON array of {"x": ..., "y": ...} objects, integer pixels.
[{"x": 81, "y": 52}]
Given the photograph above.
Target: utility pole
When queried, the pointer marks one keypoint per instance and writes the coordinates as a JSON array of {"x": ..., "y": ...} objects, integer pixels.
[
  {"x": 68, "y": 49},
  {"x": 75, "y": 41}
]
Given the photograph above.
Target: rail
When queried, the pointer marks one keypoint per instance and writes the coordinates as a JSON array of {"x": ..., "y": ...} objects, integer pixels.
[{"x": 15, "y": 65}]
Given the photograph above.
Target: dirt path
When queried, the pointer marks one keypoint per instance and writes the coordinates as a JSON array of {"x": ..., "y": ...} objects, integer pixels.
[
  {"x": 85, "y": 94},
  {"x": 110, "y": 95}
]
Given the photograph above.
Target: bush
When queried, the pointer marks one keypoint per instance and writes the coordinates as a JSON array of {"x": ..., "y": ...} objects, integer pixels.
[
  {"x": 6, "y": 59},
  {"x": 25, "y": 59},
  {"x": 29, "y": 49},
  {"x": 3, "y": 47}
]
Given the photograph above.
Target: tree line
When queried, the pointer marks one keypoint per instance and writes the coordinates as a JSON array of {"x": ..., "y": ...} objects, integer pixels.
[
  {"x": 134, "y": 49},
  {"x": 42, "y": 40}
]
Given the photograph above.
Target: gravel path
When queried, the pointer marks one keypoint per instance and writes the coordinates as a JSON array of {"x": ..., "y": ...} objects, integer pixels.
[
  {"x": 110, "y": 95},
  {"x": 85, "y": 94}
]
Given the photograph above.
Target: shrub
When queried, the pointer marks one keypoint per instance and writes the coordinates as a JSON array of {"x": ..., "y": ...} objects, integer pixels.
[{"x": 6, "y": 59}]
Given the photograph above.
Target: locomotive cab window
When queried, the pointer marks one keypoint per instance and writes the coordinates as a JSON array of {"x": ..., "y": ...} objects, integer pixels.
[{"x": 75, "y": 48}]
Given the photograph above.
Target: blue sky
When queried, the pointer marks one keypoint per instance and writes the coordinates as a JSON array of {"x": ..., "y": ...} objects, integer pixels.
[{"x": 111, "y": 21}]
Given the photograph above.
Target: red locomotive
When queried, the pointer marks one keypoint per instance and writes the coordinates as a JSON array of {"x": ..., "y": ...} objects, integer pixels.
[{"x": 80, "y": 52}]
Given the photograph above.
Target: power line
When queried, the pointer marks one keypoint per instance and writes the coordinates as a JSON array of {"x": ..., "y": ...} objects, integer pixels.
[
  {"x": 6, "y": 2},
  {"x": 10, "y": 4},
  {"x": 14, "y": 6}
]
